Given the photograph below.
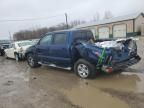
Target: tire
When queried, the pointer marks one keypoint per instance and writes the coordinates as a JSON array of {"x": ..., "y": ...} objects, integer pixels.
[
  {"x": 85, "y": 69},
  {"x": 32, "y": 62},
  {"x": 1, "y": 53}
]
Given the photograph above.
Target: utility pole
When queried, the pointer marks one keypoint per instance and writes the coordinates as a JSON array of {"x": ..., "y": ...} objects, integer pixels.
[
  {"x": 66, "y": 20},
  {"x": 10, "y": 36}
]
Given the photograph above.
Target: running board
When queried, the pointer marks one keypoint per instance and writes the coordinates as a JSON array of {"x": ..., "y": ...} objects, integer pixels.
[{"x": 53, "y": 65}]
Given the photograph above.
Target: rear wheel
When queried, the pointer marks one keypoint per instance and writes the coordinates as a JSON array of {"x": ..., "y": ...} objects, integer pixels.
[
  {"x": 31, "y": 61},
  {"x": 85, "y": 69},
  {"x": 1, "y": 53}
]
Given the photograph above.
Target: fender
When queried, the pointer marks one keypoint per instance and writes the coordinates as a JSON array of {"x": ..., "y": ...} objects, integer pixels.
[
  {"x": 82, "y": 50},
  {"x": 85, "y": 50},
  {"x": 31, "y": 49}
]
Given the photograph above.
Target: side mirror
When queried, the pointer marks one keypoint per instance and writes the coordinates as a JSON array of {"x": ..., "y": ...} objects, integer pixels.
[{"x": 38, "y": 43}]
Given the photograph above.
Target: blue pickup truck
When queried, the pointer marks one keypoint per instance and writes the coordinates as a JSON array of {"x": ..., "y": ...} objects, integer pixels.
[{"x": 77, "y": 50}]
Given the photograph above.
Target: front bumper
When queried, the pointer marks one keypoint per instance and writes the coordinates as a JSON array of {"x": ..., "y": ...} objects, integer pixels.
[
  {"x": 21, "y": 55},
  {"x": 122, "y": 65}
]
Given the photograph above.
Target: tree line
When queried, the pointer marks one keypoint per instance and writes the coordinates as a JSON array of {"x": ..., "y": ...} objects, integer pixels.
[{"x": 37, "y": 33}]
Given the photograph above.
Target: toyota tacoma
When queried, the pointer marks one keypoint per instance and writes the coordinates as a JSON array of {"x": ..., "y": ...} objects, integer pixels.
[{"x": 77, "y": 50}]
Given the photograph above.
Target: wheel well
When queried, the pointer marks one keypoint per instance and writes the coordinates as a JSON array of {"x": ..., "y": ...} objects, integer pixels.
[
  {"x": 28, "y": 54},
  {"x": 77, "y": 56},
  {"x": 15, "y": 53}
]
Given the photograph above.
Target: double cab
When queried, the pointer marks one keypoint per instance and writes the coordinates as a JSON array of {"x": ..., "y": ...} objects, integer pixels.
[{"x": 77, "y": 50}]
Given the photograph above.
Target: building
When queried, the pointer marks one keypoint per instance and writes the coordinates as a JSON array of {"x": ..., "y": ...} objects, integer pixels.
[{"x": 117, "y": 27}]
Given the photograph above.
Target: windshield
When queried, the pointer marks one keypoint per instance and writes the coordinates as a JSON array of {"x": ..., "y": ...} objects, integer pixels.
[
  {"x": 25, "y": 44},
  {"x": 35, "y": 41}
]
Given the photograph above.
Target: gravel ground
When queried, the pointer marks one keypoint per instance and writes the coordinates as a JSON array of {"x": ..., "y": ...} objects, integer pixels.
[{"x": 46, "y": 87}]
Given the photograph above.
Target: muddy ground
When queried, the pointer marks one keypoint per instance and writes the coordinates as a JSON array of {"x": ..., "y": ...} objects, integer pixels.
[{"x": 46, "y": 87}]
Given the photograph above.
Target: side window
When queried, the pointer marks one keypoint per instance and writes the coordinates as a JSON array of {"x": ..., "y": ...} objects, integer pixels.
[
  {"x": 46, "y": 40},
  {"x": 77, "y": 36},
  {"x": 83, "y": 36},
  {"x": 90, "y": 35},
  {"x": 80, "y": 36},
  {"x": 59, "y": 38}
]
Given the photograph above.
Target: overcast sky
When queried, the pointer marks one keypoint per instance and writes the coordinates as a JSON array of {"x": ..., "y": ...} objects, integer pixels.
[{"x": 76, "y": 10}]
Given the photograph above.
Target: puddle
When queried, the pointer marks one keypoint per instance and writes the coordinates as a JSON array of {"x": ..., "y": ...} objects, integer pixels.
[
  {"x": 92, "y": 94},
  {"x": 89, "y": 97},
  {"x": 139, "y": 82},
  {"x": 117, "y": 82}
]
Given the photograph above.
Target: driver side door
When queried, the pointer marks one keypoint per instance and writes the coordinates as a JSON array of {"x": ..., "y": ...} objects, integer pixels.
[{"x": 42, "y": 48}]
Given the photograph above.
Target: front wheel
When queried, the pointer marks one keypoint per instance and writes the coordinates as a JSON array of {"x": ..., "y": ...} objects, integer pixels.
[
  {"x": 17, "y": 57},
  {"x": 31, "y": 61},
  {"x": 1, "y": 53},
  {"x": 84, "y": 69}
]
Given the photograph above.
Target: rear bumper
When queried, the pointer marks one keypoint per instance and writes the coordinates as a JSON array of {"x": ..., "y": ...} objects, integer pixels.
[
  {"x": 121, "y": 65},
  {"x": 127, "y": 63}
]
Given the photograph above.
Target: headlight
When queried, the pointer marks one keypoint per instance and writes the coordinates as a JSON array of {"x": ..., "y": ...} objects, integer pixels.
[{"x": 21, "y": 49}]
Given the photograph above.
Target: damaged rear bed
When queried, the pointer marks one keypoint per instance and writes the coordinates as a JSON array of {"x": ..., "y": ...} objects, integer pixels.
[{"x": 109, "y": 56}]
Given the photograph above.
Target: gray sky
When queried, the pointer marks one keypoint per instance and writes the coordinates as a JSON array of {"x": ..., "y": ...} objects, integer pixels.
[{"x": 76, "y": 9}]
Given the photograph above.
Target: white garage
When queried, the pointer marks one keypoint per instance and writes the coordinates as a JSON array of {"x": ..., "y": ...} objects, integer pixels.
[
  {"x": 119, "y": 31},
  {"x": 117, "y": 27},
  {"x": 103, "y": 33},
  {"x": 142, "y": 28}
]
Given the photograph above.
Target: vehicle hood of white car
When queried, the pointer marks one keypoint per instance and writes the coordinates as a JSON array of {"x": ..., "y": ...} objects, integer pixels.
[{"x": 25, "y": 47}]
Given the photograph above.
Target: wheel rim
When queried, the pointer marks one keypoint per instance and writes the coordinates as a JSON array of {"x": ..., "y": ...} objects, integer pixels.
[
  {"x": 83, "y": 70},
  {"x": 30, "y": 61}
]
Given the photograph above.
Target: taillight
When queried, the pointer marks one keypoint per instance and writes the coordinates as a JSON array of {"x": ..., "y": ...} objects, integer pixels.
[{"x": 107, "y": 69}]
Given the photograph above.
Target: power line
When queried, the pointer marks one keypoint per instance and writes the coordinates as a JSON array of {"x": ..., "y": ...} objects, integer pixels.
[{"x": 29, "y": 19}]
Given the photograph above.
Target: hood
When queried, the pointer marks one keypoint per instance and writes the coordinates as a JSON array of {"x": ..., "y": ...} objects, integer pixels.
[{"x": 26, "y": 47}]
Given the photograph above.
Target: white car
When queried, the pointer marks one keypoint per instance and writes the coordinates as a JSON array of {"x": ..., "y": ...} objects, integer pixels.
[{"x": 17, "y": 49}]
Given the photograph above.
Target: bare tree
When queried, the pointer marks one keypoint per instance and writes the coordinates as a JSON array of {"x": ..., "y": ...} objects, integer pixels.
[
  {"x": 37, "y": 33},
  {"x": 96, "y": 17},
  {"x": 108, "y": 15},
  {"x": 76, "y": 22}
]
